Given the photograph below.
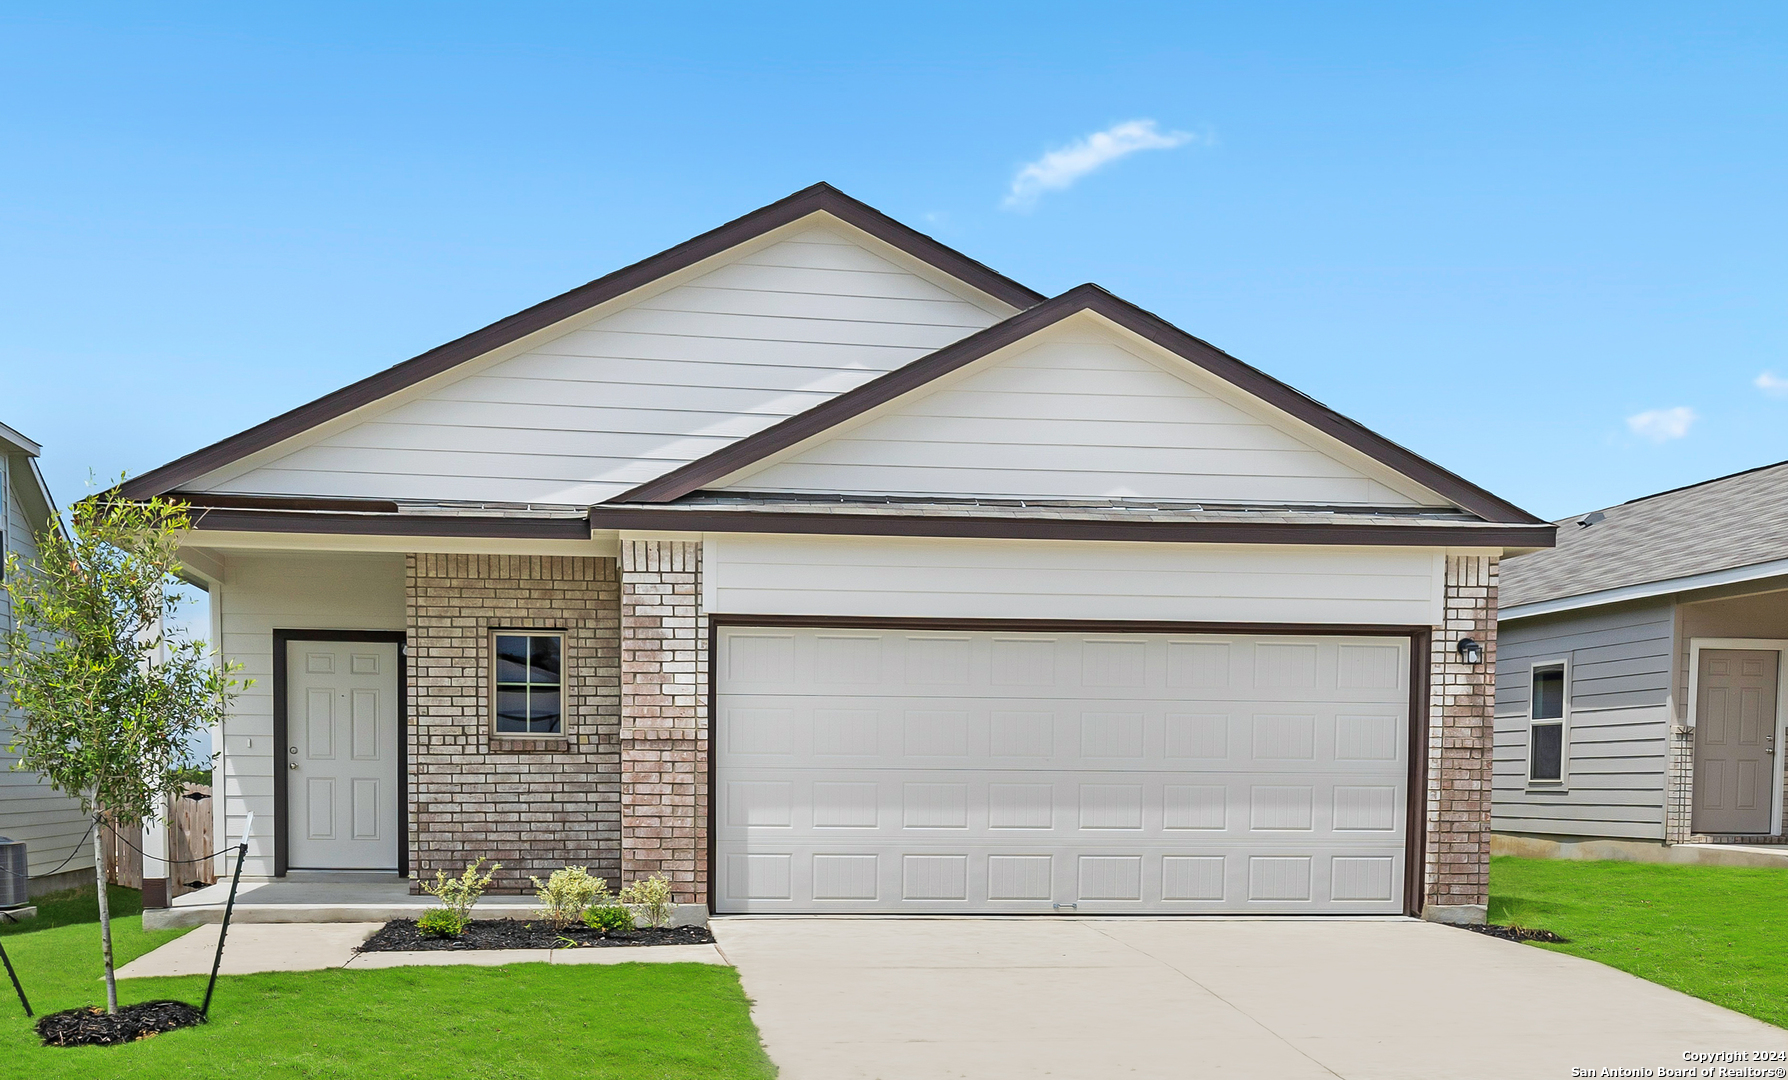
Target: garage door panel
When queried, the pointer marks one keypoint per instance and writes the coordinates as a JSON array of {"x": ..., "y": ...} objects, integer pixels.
[
  {"x": 866, "y": 771},
  {"x": 1058, "y": 806}
]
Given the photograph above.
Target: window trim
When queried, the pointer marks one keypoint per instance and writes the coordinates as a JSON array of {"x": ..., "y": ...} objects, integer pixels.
[
  {"x": 561, "y": 735},
  {"x": 1563, "y": 720}
]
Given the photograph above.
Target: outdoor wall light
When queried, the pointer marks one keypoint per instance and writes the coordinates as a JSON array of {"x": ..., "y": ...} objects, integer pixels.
[{"x": 1471, "y": 651}]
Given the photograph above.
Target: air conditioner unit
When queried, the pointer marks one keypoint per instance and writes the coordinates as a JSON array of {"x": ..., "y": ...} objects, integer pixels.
[{"x": 15, "y": 875}]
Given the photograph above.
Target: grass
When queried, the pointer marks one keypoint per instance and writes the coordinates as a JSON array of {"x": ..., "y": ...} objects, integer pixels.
[
  {"x": 1716, "y": 932},
  {"x": 595, "y": 1022}
]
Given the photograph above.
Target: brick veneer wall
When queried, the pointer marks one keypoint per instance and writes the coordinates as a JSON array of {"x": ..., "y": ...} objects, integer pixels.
[
  {"x": 532, "y": 804},
  {"x": 1460, "y": 732},
  {"x": 664, "y": 716}
]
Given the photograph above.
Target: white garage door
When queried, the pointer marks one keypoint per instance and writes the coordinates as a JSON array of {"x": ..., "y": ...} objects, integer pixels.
[{"x": 916, "y": 771}]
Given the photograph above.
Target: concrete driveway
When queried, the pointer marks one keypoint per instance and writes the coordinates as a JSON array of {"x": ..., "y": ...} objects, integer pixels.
[{"x": 897, "y": 999}]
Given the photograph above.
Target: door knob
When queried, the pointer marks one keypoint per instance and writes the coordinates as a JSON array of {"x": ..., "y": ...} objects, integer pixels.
[{"x": 292, "y": 765}]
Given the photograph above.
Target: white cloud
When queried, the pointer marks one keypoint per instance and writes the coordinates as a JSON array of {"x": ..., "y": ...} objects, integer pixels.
[
  {"x": 1059, "y": 169},
  {"x": 1662, "y": 425},
  {"x": 1772, "y": 384}
]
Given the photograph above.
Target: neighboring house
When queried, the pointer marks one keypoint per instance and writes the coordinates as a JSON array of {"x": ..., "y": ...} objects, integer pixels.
[
  {"x": 1639, "y": 690},
  {"x": 990, "y": 602},
  {"x": 51, "y": 824}
]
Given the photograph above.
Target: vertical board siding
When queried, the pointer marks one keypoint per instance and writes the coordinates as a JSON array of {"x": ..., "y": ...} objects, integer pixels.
[
  {"x": 1618, "y": 749},
  {"x": 624, "y": 397},
  {"x": 1077, "y": 413},
  {"x": 51, "y": 824},
  {"x": 1061, "y": 579},
  {"x": 264, "y": 593}
]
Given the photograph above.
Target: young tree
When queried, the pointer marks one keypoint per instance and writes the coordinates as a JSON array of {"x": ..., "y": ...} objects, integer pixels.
[{"x": 109, "y": 697}]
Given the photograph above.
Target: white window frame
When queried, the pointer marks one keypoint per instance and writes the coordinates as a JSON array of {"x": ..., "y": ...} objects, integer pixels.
[
  {"x": 1563, "y": 783},
  {"x": 1779, "y": 646}
]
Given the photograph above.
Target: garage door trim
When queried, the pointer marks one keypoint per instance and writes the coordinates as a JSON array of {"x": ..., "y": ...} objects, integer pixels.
[{"x": 1415, "y": 846}]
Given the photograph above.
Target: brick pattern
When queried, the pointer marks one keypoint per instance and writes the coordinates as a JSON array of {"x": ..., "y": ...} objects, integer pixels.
[
  {"x": 532, "y": 804},
  {"x": 664, "y": 716},
  {"x": 1679, "y": 799},
  {"x": 1460, "y": 731}
]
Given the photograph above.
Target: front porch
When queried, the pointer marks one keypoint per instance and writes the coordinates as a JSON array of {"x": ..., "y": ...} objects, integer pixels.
[
  {"x": 302, "y": 897},
  {"x": 377, "y": 737},
  {"x": 1727, "y": 785}
]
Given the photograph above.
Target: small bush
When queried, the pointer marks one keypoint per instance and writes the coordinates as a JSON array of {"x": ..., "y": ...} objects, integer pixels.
[
  {"x": 609, "y": 918},
  {"x": 651, "y": 899},
  {"x": 565, "y": 895},
  {"x": 441, "y": 922},
  {"x": 458, "y": 895}
]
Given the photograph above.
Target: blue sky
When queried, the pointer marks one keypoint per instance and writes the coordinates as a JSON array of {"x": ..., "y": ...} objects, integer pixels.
[{"x": 1496, "y": 233}]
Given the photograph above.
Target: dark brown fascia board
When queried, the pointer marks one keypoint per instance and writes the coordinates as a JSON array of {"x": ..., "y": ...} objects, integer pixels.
[
  {"x": 661, "y": 519},
  {"x": 199, "y": 500},
  {"x": 275, "y": 521},
  {"x": 827, "y": 415},
  {"x": 1494, "y": 535},
  {"x": 815, "y": 199}
]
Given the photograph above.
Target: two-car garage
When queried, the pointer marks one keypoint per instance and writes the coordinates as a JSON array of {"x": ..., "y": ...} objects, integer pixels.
[{"x": 877, "y": 769}]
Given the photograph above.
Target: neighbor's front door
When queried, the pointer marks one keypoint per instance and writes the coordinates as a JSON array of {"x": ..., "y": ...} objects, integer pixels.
[
  {"x": 1735, "y": 729},
  {"x": 341, "y": 755}
]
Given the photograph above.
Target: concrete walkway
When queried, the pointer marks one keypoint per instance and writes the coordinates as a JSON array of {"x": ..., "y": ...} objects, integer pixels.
[
  {"x": 257, "y": 947},
  {"x": 1290, "y": 999}
]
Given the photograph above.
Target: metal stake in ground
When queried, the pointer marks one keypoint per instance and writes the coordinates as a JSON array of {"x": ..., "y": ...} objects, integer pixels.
[
  {"x": 15, "y": 980},
  {"x": 229, "y": 906}
]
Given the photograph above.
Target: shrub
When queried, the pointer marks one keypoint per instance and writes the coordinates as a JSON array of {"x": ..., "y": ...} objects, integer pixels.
[
  {"x": 459, "y": 894},
  {"x": 441, "y": 922},
  {"x": 609, "y": 918},
  {"x": 565, "y": 895},
  {"x": 651, "y": 899}
]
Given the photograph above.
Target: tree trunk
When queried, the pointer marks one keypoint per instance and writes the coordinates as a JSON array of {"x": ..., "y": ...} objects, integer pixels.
[{"x": 105, "y": 915}]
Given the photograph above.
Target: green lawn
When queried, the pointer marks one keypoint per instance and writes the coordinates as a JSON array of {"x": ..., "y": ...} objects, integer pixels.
[
  {"x": 1717, "y": 932},
  {"x": 631, "y": 1021}
]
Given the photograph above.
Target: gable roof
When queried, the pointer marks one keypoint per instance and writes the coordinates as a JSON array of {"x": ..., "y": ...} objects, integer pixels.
[
  {"x": 752, "y": 449},
  {"x": 816, "y": 199},
  {"x": 1724, "y": 524},
  {"x": 21, "y": 455}
]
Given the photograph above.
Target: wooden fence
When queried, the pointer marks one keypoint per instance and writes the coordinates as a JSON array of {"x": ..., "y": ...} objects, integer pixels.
[{"x": 189, "y": 837}]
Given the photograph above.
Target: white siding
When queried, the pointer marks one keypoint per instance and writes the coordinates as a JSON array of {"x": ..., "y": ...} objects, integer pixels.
[
  {"x": 264, "y": 593},
  {"x": 1079, "y": 411},
  {"x": 1064, "y": 579},
  {"x": 622, "y": 396},
  {"x": 1618, "y": 752},
  {"x": 50, "y": 824}
]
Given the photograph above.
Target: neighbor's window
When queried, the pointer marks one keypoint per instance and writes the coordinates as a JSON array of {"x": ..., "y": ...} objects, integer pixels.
[
  {"x": 530, "y": 683},
  {"x": 1546, "y": 712}
]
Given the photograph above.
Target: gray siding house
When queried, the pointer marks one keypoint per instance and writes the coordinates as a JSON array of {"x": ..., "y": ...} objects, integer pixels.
[
  {"x": 1639, "y": 696},
  {"x": 51, "y": 824}
]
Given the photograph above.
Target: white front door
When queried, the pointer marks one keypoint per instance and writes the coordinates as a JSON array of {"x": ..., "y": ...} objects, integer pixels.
[
  {"x": 878, "y": 770},
  {"x": 341, "y": 755}
]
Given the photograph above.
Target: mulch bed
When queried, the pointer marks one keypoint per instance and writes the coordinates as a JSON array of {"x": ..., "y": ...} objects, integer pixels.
[
  {"x": 1519, "y": 933},
  {"x": 401, "y": 935},
  {"x": 91, "y": 1026}
]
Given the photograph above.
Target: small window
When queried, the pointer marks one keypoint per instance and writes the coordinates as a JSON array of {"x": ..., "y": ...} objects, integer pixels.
[
  {"x": 1546, "y": 713},
  {"x": 530, "y": 688}
]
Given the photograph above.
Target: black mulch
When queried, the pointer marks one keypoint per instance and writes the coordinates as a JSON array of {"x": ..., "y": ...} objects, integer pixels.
[
  {"x": 401, "y": 935},
  {"x": 1519, "y": 933},
  {"x": 91, "y": 1026}
]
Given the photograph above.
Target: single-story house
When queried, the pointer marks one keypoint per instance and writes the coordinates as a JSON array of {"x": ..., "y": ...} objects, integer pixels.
[
  {"x": 51, "y": 824},
  {"x": 820, "y": 568},
  {"x": 1639, "y": 698}
]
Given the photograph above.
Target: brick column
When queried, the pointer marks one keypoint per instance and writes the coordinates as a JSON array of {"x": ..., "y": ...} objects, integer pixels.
[
  {"x": 664, "y": 716},
  {"x": 1679, "y": 805},
  {"x": 1456, "y": 877}
]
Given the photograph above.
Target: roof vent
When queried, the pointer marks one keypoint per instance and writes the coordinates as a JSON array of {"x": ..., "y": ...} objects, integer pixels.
[{"x": 1590, "y": 519}]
